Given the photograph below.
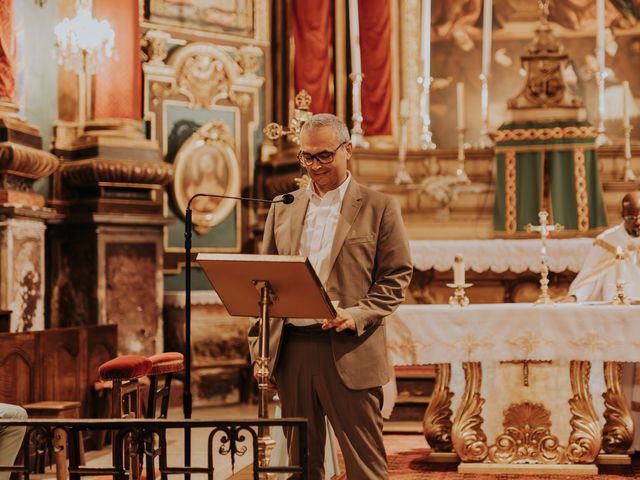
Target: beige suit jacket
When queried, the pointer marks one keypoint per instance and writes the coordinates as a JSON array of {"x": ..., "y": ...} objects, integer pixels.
[{"x": 370, "y": 267}]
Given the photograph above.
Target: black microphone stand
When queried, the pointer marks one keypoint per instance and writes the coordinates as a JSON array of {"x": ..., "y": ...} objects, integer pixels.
[{"x": 188, "y": 224}]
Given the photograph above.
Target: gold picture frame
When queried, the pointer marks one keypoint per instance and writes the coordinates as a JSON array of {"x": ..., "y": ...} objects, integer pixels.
[{"x": 207, "y": 163}]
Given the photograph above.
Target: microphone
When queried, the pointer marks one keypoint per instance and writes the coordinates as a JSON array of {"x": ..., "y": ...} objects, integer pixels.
[{"x": 287, "y": 198}]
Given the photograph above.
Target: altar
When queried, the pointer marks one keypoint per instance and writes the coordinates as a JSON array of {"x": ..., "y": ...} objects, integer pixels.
[{"x": 521, "y": 386}]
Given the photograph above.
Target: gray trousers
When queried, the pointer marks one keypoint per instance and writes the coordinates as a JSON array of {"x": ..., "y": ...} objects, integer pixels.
[
  {"x": 309, "y": 386},
  {"x": 10, "y": 437}
]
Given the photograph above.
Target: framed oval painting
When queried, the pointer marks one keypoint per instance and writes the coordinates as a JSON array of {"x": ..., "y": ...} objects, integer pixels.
[{"x": 206, "y": 163}]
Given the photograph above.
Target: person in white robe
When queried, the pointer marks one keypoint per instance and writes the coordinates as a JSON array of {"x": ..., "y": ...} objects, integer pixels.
[{"x": 597, "y": 282}]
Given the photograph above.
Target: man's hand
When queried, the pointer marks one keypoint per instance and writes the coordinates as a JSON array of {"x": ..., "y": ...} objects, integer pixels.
[{"x": 342, "y": 321}]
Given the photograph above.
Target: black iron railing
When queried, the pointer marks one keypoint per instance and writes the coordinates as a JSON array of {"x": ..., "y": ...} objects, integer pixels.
[{"x": 138, "y": 444}]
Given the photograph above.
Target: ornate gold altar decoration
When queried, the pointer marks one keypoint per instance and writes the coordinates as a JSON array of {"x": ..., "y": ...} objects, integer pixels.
[
  {"x": 467, "y": 436},
  {"x": 585, "y": 438},
  {"x": 436, "y": 423},
  {"x": 527, "y": 437},
  {"x": 301, "y": 114},
  {"x": 544, "y": 63},
  {"x": 202, "y": 72},
  {"x": 582, "y": 199},
  {"x": 618, "y": 431},
  {"x": 98, "y": 171},
  {"x": 510, "y": 191},
  {"x": 207, "y": 163}
]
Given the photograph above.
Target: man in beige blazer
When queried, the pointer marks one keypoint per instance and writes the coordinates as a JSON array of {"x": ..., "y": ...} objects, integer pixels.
[{"x": 355, "y": 239}]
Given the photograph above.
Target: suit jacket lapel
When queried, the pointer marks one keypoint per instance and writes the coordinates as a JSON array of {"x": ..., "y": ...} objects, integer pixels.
[
  {"x": 350, "y": 208},
  {"x": 298, "y": 210}
]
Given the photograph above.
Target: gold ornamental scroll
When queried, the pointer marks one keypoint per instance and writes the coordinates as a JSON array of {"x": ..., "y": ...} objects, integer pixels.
[
  {"x": 617, "y": 433},
  {"x": 469, "y": 440},
  {"x": 585, "y": 438},
  {"x": 436, "y": 423}
]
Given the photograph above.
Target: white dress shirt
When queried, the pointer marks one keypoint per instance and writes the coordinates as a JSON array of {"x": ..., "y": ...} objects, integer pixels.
[{"x": 318, "y": 232}]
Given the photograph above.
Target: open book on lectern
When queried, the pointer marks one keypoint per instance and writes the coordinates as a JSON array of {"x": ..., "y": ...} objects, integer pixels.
[{"x": 297, "y": 289}]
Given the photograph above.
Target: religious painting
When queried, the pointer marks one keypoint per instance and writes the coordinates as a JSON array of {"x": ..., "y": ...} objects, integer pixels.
[
  {"x": 206, "y": 163},
  {"x": 234, "y": 17},
  {"x": 457, "y": 57}
]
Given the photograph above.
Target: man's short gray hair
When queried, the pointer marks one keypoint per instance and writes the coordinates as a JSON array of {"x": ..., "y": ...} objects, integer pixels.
[{"x": 321, "y": 120}]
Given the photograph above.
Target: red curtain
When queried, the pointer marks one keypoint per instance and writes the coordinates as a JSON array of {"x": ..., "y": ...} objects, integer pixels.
[
  {"x": 7, "y": 52},
  {"x": 119, "y": 79},
  {"x": 375, "y": 48},
  {"x": 312, "y": 30}
]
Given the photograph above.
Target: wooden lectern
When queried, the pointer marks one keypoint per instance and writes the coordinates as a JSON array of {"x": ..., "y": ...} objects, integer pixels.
[{"x": 266, "y": 286}]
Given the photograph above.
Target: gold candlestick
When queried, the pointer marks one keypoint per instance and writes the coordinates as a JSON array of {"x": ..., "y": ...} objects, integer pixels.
[
  {"x": 459, "y": 297},
  {"x": 620, "y": 298},
  {"x": 544, "y": 297}
]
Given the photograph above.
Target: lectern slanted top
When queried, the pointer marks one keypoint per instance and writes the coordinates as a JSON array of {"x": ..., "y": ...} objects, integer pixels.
[{"x": 298, "y": 290}]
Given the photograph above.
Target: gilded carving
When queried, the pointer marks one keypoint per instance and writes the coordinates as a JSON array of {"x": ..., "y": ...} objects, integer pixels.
[
  {"x": 527, "y": 437},
  {"x": 249, "y": 59},
  {"x": 155, "y": 46},
  {"x": 548, "y": 133},
  {"x": 469, "y": 441},
  {"x": 510, "y": 191},
  {"x": 618, "y": 430},
  {"x": 203, "y": 79},
  {"x": 26, "y": 161},
  {"x": 585, "y": 438},
  {"x": 436, "y": 423},
  {"x": 582, "y": 200},
  {"x": 91, "y": 172}
]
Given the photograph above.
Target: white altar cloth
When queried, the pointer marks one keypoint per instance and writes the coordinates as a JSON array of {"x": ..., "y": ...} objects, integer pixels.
[
  {"x": 428, "y": 334},
  {"x": 500, "y": 255}
]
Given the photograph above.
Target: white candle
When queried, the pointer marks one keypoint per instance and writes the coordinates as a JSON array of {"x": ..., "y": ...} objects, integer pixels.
[
  {"x": 458, "y": 270},
  {"x": 460, "y": 105},
  {"x": 426, "y": 39},
  {"x": 626, "y": 98},
  {"x": 354, "y": 34},
  {"x": 600, "y": 34},
  {"x": 487, "y": 25},
  {"x": 619, "y": 264}
]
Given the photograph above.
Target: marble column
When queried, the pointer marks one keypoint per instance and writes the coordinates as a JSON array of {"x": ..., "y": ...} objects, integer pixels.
[
  {"x": 22, "y": 210},
  {"x": 106, "y": 244}
]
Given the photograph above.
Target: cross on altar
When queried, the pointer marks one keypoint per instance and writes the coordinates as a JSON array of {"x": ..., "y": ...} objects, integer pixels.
[
  {"x": 525, "y": 368},
  {"x": 545, "y": 230}
]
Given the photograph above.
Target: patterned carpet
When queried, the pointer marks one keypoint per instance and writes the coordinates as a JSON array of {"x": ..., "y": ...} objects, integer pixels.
[{"x": 407, "y": 461}]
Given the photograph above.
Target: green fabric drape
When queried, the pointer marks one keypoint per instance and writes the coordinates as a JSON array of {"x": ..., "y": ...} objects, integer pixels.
[{"x": 537, "y": 150}]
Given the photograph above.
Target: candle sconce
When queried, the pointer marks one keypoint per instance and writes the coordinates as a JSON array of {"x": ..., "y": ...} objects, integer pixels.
[
  {"x": 485, "y": 139},
  {"x": 461, "y": 173},
  {"x": 620, "y": 297},
  {"x": 301, "y": 114},
  {"x": 426, "y": 137}
]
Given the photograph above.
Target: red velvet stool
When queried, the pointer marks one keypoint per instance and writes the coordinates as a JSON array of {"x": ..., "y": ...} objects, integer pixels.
[
  {"x": 124, "y": 372},
  {"x": 164, "y": 365}
]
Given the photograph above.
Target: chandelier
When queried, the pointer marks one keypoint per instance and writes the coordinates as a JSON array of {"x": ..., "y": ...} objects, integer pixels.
[{"x": 82, "y": 43}]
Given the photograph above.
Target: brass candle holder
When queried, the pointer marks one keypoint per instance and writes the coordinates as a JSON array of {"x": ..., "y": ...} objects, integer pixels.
[
  {"x": 459, "y": 297},
  {"x": 544, "y": 298},
  {"x": 620, "y": 298}
]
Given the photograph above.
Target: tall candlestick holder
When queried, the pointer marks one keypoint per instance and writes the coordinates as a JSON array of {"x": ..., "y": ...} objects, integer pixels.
[
  {"x": 460, "y": 169},
  {"x": 357, "y": 134},
  {"x": 459, "y": 297},
  {"x": 629, "y": 175},
  {"x": 485, "y": 139},
  {"x": 402, "y": 175},
  {"x": 426, "y": 137},
  {"x": 544, "y": 298},
  {"x": 602, "y": 138}
]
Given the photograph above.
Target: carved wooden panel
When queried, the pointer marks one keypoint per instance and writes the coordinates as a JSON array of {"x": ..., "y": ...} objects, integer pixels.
[
  {"x": 18, "y": 366},
  {"x": 61, "y": 366}
]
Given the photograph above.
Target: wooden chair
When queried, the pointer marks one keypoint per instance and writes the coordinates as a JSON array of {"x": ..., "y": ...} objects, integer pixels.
[
  {"x": 125, "y": 372},
  {"x": 164, "y": 365}
]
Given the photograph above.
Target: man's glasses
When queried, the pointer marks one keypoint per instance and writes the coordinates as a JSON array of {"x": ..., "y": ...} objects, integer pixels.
[
  {"x": 324, "y": 157},
  {"x": 630, "y": 218}
]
